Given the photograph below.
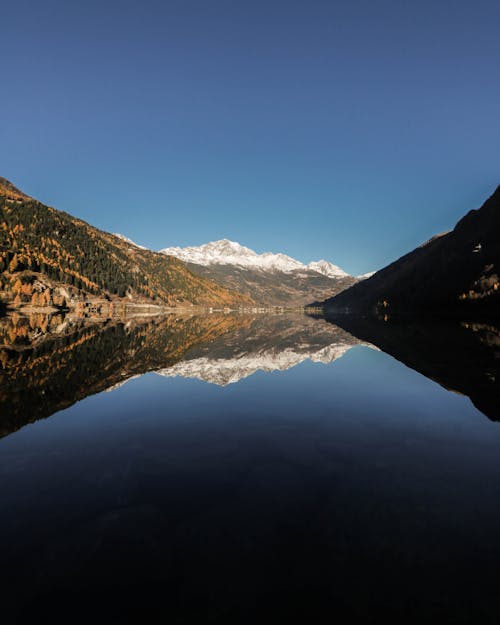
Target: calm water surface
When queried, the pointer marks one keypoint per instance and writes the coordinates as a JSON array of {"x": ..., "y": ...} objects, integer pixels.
[{"x": 344, "y": 487}]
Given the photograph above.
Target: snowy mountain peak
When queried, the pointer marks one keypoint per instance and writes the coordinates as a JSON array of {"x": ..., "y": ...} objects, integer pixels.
[
  {"x": 327, "y": 269},
  {"x": 225, "y": 247},
  {"x": 364, "y": 276},
  {"x": 225, "y": 252},
  {"x": 129, "y": 241}
]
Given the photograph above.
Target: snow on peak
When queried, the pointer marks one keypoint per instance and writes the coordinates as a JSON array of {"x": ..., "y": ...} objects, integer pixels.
[
  {"x": 129, "y": 241},
  {"x": 364, "y": 276},
  {"x": 327, "y": 269},
  {"x": 225, "y": 252}
]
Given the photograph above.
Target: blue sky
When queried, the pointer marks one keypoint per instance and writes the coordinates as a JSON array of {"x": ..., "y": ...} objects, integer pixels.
[{"x": 350, "y": 131}]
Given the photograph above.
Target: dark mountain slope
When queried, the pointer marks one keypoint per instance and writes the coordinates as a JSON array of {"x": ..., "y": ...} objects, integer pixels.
[
  {"x": 454, "y": 272},
  {"x": 39, "y": 243}
]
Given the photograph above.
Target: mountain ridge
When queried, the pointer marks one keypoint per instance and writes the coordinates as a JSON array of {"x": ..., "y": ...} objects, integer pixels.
[
  {"x": 10, "y": 191},
  {"x": 227, "y": 252},
  {"x": 269, "y": 279},
  {"x": 48, "y": 257},
  {"x": 455, "y": 271}
]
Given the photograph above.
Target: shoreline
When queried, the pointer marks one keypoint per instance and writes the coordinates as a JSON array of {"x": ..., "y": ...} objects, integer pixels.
[{"x": 106, "y": 309}]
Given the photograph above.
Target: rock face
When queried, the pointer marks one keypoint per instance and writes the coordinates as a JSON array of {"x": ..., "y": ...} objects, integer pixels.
[
  {"x": 268, "y": 278},
  {"x": 40, "y": 245},
  {"x": 458, "y": 271}
]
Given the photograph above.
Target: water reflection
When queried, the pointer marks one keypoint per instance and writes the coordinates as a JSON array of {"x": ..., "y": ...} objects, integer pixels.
[
  {"x": 47, "y": 362},
  {"x": 356, "y": 490},
  {"x": 50, "y": 362},
  {"x": 462, "y": 356}
]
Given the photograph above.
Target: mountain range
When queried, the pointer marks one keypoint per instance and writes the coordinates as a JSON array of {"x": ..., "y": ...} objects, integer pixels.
[
  {"x": 453, "y": 272},
  {"x": 48, "y": 257},
  {"x": 225, "y": 252},
  {"x": 268, "y": 278}
]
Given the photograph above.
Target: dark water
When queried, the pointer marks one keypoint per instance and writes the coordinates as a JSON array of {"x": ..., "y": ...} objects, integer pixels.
[{"x": 350, "y": 489}]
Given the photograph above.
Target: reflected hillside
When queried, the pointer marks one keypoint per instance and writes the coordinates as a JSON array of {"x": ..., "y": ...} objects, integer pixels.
[
  {"x": 50, "y": 362},
  {"x": 43, "y": 372},
  {"x": 461, "y": 356},
  {"x": 269, "y": 343}
]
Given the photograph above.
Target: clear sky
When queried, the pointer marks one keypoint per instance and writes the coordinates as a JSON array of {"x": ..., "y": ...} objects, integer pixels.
[{"x": 347, "y": 130}]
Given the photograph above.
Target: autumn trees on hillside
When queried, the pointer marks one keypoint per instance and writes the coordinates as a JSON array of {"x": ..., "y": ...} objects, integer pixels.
[{"x": 37, "y": 239}]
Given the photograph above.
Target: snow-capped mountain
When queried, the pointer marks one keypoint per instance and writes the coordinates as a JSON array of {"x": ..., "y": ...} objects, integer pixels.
[
  {"x": 327, "y": 269},
  {"x": 225, "y": 252},
  {"x": 127, "y": 240},
  {"x": 269, "y": 278},
  {"x": 364, "y": 276}
]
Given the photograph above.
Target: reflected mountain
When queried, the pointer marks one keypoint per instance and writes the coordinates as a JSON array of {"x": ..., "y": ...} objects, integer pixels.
[
  {"x": 462, "y": 356},
  {"x": 48, "y": 363},
  {"x": 269, "y": 343}
]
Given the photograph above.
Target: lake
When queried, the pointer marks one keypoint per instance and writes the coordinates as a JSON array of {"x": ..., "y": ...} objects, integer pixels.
[{"x": 249, "y": 468}]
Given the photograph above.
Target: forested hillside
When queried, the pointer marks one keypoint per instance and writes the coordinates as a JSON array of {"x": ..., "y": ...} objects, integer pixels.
[{"x": 41, "y": 248}]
